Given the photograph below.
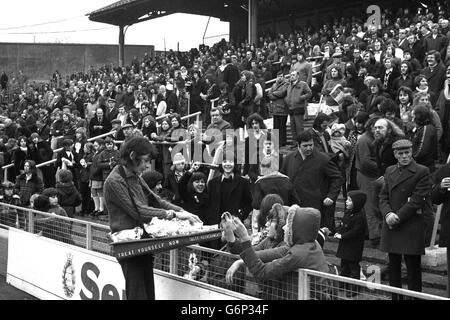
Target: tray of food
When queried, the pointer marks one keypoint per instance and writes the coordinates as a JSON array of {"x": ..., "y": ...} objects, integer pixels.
[{"x": 164, "y": 235}]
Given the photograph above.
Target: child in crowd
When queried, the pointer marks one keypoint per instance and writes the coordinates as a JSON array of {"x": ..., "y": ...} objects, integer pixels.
[
  {"x": 177, "y": 171},
  {"x": 9, "y": 216},
  {"x": 70, "y": 198},
  {"x": 340, "y": 147},
  {"x": 351, "y": 235},
  {"x": 56, "y": 228}
]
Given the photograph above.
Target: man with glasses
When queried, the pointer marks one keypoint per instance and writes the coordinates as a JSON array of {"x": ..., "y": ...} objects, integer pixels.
[{"x": 130, "y": 203}]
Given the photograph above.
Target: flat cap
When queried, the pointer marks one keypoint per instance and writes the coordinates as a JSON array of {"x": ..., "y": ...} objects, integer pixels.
[
  {"x": 116, "y": 121},
  {"x": 127, "y": 125},
  {"x": 401, "y": 144},
  {"x": 111, "y": 100},
  {"x": 337, "y": 55}
]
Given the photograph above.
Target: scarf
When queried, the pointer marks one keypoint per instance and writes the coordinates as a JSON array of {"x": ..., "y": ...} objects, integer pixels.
[{"x": 446, "y": 93}]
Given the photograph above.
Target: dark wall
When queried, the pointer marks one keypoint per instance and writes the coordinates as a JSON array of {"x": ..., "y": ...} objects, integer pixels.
[{"x": 40, "y": 60}]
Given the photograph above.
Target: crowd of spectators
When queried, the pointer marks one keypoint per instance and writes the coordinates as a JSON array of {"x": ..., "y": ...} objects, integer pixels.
[{"x": 395, "y": 83}]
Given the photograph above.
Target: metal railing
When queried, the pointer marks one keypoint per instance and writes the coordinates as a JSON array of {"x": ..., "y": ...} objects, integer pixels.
[{"x": 212, "y": 265}]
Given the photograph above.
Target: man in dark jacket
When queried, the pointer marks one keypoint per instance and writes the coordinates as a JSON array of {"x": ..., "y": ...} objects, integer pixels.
[
  {"x": 231, "y": 75},
  {"x": 99, "y": 124},
  {"x": 297, "y": 94},
  {"x": 441, "y": 196},
  {"x": 435, "y": 74},
  {"x": 316, "y": 178},
  {"x": 404, "y": 200}
]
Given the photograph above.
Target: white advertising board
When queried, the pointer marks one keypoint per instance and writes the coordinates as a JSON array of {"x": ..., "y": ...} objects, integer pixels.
[{"x": 49, "y": 269}]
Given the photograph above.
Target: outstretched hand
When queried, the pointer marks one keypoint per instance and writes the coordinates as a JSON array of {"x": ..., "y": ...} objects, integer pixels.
[{"x": 241, "y": 231}]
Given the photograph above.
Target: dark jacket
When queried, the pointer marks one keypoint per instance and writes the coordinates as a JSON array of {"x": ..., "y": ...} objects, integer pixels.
[
  {"x": 69, "y": 197},
  {"x": 275, "y": 183},
  {"x": 107, "y": 160},
  {"x": 384, "y": 155},
  {"x": 365, "y": 159},
  {"x": 239, "y": 199},
  {"x": 314, "y": 178},
  {"x": 425, "y": 149},
  {"x": 406, "y": 193},
  {"x": 276, "y": 95},
  {"x": 296, "y": 97},
  {"x": 352, "y": 229},
  {"x": 193, "y": 202},
  {"x": 25, "y": 189},
  {"x": 435, "y": 79},
  {"x": 231, "y": 75},
  {"x": 106, "y": 126},
  {"x": 442, "y": 196}
]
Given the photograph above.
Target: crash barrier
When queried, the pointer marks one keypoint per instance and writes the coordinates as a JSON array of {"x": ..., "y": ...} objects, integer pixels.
[{"x": 195, "y": 267}]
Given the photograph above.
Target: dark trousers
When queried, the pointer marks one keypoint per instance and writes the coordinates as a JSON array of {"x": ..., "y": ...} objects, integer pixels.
[
  {"x": 138, "y": 273},
  {"x": 279, "y": 123},
  {"x": 413, "y": 268},
  {"x": 350, "y": 269},
  {"x": 327, "y": 217},
  {"x": 85, "y": 192}
]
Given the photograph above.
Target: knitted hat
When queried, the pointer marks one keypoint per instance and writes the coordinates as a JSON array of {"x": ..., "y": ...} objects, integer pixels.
[
  {"x": 178, "y": 159},
  {"x": 50, "y": 192},
  {"x": 152, "y": 178}
]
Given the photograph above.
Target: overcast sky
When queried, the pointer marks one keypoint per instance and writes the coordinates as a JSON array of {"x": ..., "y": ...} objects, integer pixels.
[{"x": 27, "y": 21}]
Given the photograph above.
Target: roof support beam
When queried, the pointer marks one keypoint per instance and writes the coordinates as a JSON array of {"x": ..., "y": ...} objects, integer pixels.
[{"x": 121, "y": 46}]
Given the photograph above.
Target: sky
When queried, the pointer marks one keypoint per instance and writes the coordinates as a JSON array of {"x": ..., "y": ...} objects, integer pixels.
[{"x": 42, "y": 21}]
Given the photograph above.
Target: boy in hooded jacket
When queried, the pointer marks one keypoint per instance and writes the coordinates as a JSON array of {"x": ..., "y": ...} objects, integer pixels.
[
  {"x": 301, "y": 249},
  {"x": 351, "y": 234}
]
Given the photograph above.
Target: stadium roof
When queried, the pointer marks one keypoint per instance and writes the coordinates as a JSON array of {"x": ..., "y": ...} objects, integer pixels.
[{"x": 127, "y": 12}]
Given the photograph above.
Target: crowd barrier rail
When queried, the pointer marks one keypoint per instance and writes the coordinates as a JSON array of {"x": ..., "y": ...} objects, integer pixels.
[{"x": 212, "y": 264}]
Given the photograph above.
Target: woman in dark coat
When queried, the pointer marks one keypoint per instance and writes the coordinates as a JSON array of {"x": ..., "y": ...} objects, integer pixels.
[
  {"x": 424, "y": 139},
  {"x": 351, "y": 234},
  {"x": 21, "y": 154},
  {"x": 440, "y": 195}
]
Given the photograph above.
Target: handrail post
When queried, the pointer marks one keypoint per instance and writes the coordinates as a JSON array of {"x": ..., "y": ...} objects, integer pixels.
[
  {"x": 173, "y": 264},
  {"x": 30, "y": 222},
  {"x": 5, "y": 177},
  {"x": 88, "y": 236},
  {"x": 303, "y": 285}
]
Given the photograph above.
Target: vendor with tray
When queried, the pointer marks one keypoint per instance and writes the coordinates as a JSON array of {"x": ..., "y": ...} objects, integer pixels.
[{"x": 130, "y": 204}]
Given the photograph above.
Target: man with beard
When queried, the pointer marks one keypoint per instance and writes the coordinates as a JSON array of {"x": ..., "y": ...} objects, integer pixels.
[
  {"x": 366, "y": 176},
  {"x": 385, "y": 133}
]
